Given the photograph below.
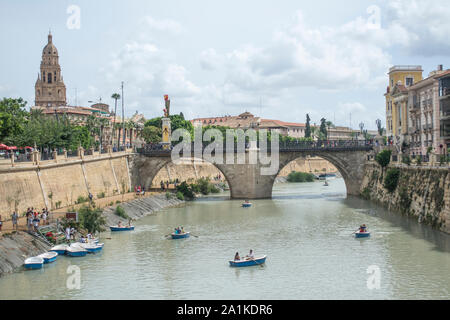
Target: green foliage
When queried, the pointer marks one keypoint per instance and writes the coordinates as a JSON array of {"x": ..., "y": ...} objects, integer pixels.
[
  {"x": 405, "y": 199},
  {"x": 101, "y": 195},
  {"x": 406, "y": 160},
  {"x": 186, "y": 190},
  {"x": 300, "y": 177},
  {"x": 91, "y": 219},
  {"x": 58, "y": 204},
  {"x": 323, "y": 129},
  {"x": 429, "y": 150},
  {"x": 391, "y": 179},
  {"x": 118, "y": 201},
  {"x": 12, "y": 118},
  {"x": 81, "y": 199},
  {"x": 169, "y": 195},
  {"x": 365, "y": 194},
  {"x": 383, "y": 158},
  {"x": 418, "y": 160},
  {"x": 308, "y": 127},
  {"x": 121, "y": 212},
  {"x": 151, "y": 134},
  {"x": 180, "y": 196}
]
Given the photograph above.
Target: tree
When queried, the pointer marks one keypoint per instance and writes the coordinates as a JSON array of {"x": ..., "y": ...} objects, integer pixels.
[
  {"x": 91, "y": 219},
  {"x": 380, "y": 128},
  {"x": 151, "y": 134},
  {"x": 383, "y": 158},
  {"x": 116, "y": 97},
  {"x": 308, "y": 127},
  {"x": 12, "y": 118},
  {"x": 323, "y": 128}
]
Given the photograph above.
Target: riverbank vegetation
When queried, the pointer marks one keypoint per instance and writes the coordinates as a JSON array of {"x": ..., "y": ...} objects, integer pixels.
[
  {"x": 202, "y": 186},
  {"x": 297, "y": 177}
]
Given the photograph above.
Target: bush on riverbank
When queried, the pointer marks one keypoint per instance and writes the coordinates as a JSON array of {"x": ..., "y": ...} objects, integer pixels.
[
  {"x": 203, "y": 186},
  {"x": 391, "y": 180},
  {"x": 383, "y": 158},
  {"x": 121, "y": 212},
  {"x": 180, "y": 196},
  {"x": 300, "y": 177},
  {"x": 91, "y": 219}
]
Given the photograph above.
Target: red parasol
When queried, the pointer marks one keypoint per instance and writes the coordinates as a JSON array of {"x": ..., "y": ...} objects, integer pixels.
[
  {"x": 3, "y": 146},
  {"x": 11, "y": 148}
]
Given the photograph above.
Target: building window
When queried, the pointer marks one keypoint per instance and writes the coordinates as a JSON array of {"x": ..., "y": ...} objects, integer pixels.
[
  {"x": 49, "y": 77},
  {"x": 409, "y": 81}
]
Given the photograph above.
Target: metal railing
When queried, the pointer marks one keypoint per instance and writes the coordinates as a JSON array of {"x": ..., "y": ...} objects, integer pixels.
[{"x": 294, "y": 146}]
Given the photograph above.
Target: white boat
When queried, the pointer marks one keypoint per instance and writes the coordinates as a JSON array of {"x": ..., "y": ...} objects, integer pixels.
[
  {"x": 60, "y": 248},
  {"x": 34, "y": 263},
  {"x": 91, "y": 247},
  {"x": 49, "y": 256},
  {"x": 75, "y": 250}
]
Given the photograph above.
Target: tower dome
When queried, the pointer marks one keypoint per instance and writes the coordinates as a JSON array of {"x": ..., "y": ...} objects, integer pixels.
[{"x": 50, "y": 48}]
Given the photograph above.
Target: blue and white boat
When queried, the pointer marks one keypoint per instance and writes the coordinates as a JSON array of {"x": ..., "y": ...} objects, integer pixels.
[
  {"x": 362, "y": 234},
  {"x": 246, "y": 205},
  {"x": 180, "y": 235},
  {"x": 117, "y": 228},
  {"x": 91, "y": 247},
  {"x": 60, "y": 249},
  {"x": 49, "y": 256},
  {"x": 76, "y": 251},
  {"x": 248, "y": 263},
  {"x": 34, "y": 263}
]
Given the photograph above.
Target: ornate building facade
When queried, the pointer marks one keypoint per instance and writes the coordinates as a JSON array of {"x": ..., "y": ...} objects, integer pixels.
[{"x": 50, "y": 90}]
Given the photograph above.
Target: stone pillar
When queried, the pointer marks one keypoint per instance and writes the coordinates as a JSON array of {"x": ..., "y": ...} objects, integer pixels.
[
  {"x": 55, "y": 155},
  {"x": 65, "y": 153},
  {"x": 36, "y": 157},
  {"x": 80, "y": 152},
  {"x": 166, "y": 133},
  {"x": 109, "y": 148},
  {"x": 91, "y": 151}
]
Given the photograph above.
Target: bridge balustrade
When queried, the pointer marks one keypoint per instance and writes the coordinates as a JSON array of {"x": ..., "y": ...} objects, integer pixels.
[{"x": 291, "y": 146}]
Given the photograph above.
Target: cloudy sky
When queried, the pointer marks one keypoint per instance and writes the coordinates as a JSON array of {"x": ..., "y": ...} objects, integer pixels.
[{"x": 277, "y": 59}]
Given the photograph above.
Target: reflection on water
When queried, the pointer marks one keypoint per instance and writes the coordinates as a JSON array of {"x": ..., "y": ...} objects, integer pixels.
[{"x": 305, "y": 230}]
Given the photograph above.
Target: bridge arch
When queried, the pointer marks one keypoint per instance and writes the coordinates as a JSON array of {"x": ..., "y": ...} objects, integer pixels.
[
  {"x": 145, "y": 169},
  {"x": 349, "y": 165}
]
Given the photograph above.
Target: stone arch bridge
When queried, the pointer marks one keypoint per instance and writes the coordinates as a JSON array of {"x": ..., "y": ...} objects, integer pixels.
[{"x": 245, "y": 179}]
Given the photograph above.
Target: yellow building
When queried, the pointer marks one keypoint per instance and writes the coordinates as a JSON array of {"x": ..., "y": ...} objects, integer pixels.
[{"x": 400, "y": 78}]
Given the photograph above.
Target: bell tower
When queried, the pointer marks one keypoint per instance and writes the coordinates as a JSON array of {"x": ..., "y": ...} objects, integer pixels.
[{"x": 50, "y": 90}]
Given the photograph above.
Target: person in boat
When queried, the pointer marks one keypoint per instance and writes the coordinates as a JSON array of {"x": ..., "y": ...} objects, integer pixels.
[
  {"x": 119, "y": 224},
  {"x": 237, "y": 257},
  {"x": 182, "y": 230},
  {"x": 129, "y": 222},
  {"x": 251, "y": 255},
  {"x": 363, "y": 229}
]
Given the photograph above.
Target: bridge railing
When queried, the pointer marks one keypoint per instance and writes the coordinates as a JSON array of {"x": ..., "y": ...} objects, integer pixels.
[{"x": 291, "y": 146}]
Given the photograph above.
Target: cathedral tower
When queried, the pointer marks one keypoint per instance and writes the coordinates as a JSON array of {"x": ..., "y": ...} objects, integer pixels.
[{"x": 50, "y": 90}]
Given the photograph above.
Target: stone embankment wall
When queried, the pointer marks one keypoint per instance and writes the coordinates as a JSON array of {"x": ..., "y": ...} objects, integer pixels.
[
  {"x": 422, "y": 193},
  {"x": 192, "y": 170},
  {"x": 139, "y": 208},
  {"x": 16, "y": 247},
  {"x": 51, "y": 183}
]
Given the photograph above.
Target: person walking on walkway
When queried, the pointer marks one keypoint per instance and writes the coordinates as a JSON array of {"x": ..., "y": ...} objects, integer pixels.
[{"x": 1, "y": 223}]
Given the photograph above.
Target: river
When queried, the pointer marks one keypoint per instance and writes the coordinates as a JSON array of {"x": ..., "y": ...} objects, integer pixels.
[{"x": 305, "y": 231}]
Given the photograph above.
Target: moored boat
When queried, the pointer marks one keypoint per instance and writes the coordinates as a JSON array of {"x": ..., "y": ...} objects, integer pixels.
[
  {"x": 123, "y": 228},
  {"x": 60, "y": 249},
  {"x": 49, "y": 256},
  {"x": 180, "y": 235},
  {"x": 92, "y": 247},
  {"x": 359, "y": 234},
  {"x": 34, "y": 263},
  {"x": 248, "y": 263},
  {"x": 246, "y": 205},
  {"x": 76, "y": 251}
]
